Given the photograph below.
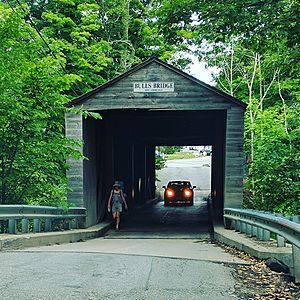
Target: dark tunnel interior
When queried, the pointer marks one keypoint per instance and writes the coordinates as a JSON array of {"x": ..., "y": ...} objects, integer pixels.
[{"x": 121, "y": 146}]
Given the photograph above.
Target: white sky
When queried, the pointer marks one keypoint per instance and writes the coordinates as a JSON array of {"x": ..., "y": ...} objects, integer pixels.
[{"x": 198, "y": 70}]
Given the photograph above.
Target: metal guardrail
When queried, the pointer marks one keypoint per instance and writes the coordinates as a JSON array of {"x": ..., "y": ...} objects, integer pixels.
[
  {"x": 261, "y": 224},
  {"x": 16, "y": 214}
]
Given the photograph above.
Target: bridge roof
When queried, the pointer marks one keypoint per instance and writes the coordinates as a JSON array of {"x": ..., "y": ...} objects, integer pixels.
[{"x": 83, "y": 98}]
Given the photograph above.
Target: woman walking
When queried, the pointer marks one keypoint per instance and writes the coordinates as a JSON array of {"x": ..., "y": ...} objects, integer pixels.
[{"x": 115, "y": 201}]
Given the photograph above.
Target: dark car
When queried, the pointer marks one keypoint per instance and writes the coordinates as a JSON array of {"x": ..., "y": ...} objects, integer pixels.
[
  {"x": 179, "y": 192},
  {"x": 206, "y": 151}
]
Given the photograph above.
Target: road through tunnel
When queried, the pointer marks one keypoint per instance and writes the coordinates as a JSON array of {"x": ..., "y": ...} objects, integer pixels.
[{"x": 123, "y": 145}]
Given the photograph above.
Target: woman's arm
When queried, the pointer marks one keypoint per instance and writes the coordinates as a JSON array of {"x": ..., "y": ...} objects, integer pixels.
[{"x": 109, "y": 201}]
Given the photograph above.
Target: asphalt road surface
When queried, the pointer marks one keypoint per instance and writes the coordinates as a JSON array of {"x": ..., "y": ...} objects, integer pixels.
[
  {"x": 160, "y": 253},
  {"x": 197, "y": 170},
  {"x": 157, "y": 221},
  {"x": 74, "y": 275}
]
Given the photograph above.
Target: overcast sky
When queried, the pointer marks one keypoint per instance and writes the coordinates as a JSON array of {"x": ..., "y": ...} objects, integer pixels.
[{"x": 198, "y": 70}]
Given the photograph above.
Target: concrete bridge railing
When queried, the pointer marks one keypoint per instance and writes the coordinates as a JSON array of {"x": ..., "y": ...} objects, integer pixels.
[
  {"x": 262, "y": 225},
  {"x": 18, "y": 217}
]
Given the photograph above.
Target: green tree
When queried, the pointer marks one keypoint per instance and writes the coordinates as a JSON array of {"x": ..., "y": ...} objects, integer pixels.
[
  {"x": 33, "y": 149},
  {"x": 98, "y": 40}
]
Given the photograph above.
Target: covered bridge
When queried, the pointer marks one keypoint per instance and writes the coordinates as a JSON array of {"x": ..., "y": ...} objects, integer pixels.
[{"x": 153, "y": 104}]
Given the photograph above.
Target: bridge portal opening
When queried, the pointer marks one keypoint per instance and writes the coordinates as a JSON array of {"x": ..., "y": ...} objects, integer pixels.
[{"x": 122, "y": 146}]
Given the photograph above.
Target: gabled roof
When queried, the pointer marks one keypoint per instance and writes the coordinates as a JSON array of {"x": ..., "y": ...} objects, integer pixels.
[{"x": 147, "y": 62}]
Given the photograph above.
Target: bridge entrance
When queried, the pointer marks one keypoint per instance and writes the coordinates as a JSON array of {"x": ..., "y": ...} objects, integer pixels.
[{"x": 153, "y": 104}]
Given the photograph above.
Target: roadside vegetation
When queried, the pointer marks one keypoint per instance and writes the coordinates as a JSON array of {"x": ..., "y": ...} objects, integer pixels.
[
  {"x": 180, "y": 155},
  {"x": 54, "y": 51}
]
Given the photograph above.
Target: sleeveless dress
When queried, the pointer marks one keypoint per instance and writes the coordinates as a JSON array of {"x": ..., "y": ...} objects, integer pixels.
[{"x": 116, "y": 202}]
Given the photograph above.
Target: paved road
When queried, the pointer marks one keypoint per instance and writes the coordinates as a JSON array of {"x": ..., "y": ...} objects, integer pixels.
[
  {"x": 55, "y": 275},
  {"x": 159, "y": 253},
  {"x": 177, "y": 222}
]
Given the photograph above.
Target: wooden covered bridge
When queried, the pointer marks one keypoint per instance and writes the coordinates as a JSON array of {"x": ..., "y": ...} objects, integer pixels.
[{"x": 153, "y": 104}]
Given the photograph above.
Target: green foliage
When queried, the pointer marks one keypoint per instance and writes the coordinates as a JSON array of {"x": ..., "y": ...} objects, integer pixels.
[
  {"x": 170, "y": 149},
  {"x": 180, "y": 155},
  {"x": 159, "y": 162},
  {"x": 274, "y": 182},
  {"x": 33, "y": 149},
  {"x": 97, "y": 39}
]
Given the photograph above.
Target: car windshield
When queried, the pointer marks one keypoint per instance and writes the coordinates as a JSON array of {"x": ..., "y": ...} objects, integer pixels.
[{"x": 179, "y": 184}]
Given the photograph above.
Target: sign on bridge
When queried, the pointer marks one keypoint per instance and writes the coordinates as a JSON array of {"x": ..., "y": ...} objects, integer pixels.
[{"x": 153, "y": 87}]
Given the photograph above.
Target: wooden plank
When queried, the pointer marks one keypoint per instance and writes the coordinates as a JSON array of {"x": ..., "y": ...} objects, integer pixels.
[
  {"x": 157, "y": 105},
  {"x": 235, "y": 128},
  {"x": 234, "y": 154}
]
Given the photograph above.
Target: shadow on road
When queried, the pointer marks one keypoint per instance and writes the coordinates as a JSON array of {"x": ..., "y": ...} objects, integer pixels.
[{"x": 158, "y": 221}]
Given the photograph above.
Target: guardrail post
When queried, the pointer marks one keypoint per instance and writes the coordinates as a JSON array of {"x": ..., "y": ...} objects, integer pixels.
[
  {"x": 238, "y": 225},
  {"x": 48, "y": 225},
  {"x": 12, "y": 226},
  {"x": 254, "y": 231},
  {"x": 249, "y": 229},
  {"x": 243, "y": 227},
  {"x": 266, "y": 235},
  {"x": 36, "y": 225},
  {"x": 25, "y": 225},
  {"x": 259, "y": 233},
  {"x": 227, "y": 223},
  {"x": 263, "y": 234},
  {"x": 296, "y": 262},
  {"x": 73, "y": 224},
  {"x": 232, "y": 225},
  {"x": 280, "y": 241}
]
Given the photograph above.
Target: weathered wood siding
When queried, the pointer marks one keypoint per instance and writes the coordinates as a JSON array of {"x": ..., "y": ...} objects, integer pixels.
[
  {"x": 74, "y": 131},
  {"x": 187, "y": 95},
  {"x": 234, "y": 158}
]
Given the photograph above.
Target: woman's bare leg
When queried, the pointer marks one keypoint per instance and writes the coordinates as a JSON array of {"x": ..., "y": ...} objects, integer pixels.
[{"x": 117, "y": 219}]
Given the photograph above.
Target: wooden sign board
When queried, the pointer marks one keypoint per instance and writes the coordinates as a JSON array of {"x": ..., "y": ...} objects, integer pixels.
[{"x": 153, "y": 87}]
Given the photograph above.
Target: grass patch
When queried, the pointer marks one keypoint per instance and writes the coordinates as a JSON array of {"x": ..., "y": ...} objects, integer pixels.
[{"x": 180, "y": 155}]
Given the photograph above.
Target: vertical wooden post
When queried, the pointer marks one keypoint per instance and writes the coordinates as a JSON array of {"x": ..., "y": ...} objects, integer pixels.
[
  {"x": 227, "y": 223},
  {"x": 25, "y": 225},
  {"x": 73, "y": 224}
]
